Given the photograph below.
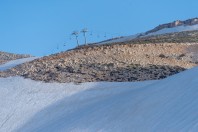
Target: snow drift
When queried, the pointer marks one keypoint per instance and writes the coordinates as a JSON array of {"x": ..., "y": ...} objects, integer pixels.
[
  {"x": 166, "y": 105},
  {"x": 21, "y": 99}
]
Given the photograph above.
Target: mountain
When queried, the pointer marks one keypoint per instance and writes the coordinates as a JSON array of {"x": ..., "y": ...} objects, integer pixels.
[
  {"x": 143, "y": 58},
  {"x": 121, "y": 62},
  {"x": 176, "y": 26},
  {"x": 144, "y": 84},
  {"x": 173, "y": 27}
]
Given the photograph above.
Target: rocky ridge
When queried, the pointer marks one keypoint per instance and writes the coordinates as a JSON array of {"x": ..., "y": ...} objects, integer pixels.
[{"x": 123, "y": 62}]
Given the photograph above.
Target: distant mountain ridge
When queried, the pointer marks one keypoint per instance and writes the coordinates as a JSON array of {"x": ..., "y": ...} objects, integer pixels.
[
  {"x": 168, "y": 28},
  {"x": 176, "y": 23}
]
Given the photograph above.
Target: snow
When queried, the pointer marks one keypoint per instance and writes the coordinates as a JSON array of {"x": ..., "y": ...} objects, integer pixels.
[
  {"x": 23, "y": 100},
  {"x": 170, "y": 105},
  {"x": 162, "y": 31},
  {"x": 123, "y": 39},
  {"x": 175, "y": 29},
  {"x": 14, "y": 63}
]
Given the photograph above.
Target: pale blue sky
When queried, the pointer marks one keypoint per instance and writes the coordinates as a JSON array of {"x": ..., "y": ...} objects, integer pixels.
[{"x": 37, "y": 27}]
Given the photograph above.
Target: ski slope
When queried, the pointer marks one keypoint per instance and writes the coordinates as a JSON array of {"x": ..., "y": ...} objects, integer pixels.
[
  {"x": 23, "y": 100},
  {"x": 123, "y": 39},
  {"x": 166, "y": 105},
  {"x": 175, "y": 29},
  {"x": 14, "y": 63},
  {"x": 159, "y": 32}
]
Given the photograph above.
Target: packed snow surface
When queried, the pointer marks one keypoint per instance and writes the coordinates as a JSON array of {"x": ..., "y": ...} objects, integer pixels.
[
  {"x": 165, "y": 105},
  {"x": 32, "y": 106},
  {"x": 14, "y": 63}
]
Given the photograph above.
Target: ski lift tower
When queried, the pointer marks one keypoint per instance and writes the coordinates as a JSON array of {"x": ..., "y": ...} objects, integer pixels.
[
  {"x": 84, "y": 31},
  {"x": 76, "y": 33}
]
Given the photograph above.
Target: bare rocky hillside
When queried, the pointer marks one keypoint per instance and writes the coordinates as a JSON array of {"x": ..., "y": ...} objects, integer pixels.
[{"x": 119, "y": 62}]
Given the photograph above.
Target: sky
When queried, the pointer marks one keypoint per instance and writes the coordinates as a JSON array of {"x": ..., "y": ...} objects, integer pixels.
[{"x": 43, "y": 27}]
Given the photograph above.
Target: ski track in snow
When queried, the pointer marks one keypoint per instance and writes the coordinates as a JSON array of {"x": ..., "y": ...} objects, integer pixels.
[{"x": 14, "y": 63}]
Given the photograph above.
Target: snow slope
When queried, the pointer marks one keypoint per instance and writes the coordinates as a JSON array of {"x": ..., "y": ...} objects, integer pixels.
[
  {"x": 14, "y": 63},
  {"x": 123, "y": 39},
  {"x": 175, "y": 29},
  {"x": 22, "y": 101},
  {"x": 159, "y": 32},
  {"x": 166, "y": 105}
]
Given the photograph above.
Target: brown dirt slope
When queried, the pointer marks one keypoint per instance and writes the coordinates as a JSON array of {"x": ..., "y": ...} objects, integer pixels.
[{"x": 120, "y": 62}]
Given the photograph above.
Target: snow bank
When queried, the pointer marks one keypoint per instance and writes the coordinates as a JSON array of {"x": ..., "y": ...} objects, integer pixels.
[
  {"x": 23, "y": 100},
  {"x": 14, "y": 63},
  {"x": 167, "y": 105}
]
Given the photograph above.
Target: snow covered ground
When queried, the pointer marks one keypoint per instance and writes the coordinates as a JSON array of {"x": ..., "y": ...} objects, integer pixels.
[
  {"x": 14, "y": 63},
  {"x": 175, "y": 29},
  {"x": 27, "y": 105},
  {"x": 166, "y": 105},
  {"x": 123, "y": 39},
  {"x": 162, "y": 31}
]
